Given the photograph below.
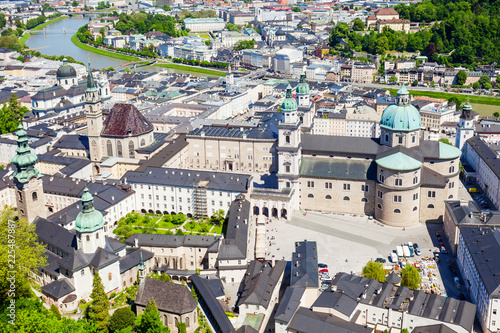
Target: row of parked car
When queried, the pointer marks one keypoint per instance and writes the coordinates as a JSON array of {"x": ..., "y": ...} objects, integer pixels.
[{"x": 324, "y": 276}]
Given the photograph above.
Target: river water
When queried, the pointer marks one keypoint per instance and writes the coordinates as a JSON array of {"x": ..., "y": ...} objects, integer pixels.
[{"x": 57, "y": 41}]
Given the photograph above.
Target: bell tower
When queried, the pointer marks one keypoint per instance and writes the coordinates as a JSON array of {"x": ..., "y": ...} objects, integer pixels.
[
  {"x": 29, "y": 185},
  {"x": 465, "y": 127},
  {"x": 93, "y": 113},
  {"x": 89, "y": 225},
  {"x": 289, "y": 147}
]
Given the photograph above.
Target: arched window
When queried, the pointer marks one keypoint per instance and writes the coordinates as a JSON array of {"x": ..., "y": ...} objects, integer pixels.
[
  {"x": 310, "y": 195},
  {"x": 387, "y": 137},
  {"x": 131, "y": 149},
  {"x": 379, "y": 206},
  {"x": 415, "y": 208},
  {"x": 34, "y": 196},
  {"x": 450, "y": 196},
  {"x": 119, "y": 149},
  {"x": 187, "y": 321},
  {"x": 90, "y": 108},
  {"x": 287, "y": 139},
  {"x": 143, "y": 143},
  {"x": 94, "y": 143},
  {"x": 110, "y": 148},
  {"x": 88, "y": 238},
  {"x": 328, "y": 197},
  {"x": 364, "y": 200},
  {"x": 97, "y": 236},
  {"x": 110, "y": 276},
  {"x": 347, "y": 198},
  {"x": 397, "y": 211},
  {"x": 430, "y": 206}
]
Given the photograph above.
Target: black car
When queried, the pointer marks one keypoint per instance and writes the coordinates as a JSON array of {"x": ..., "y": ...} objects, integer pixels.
[
  {"x": 381, "y": 260},
  {"x": 322, "y": 265},
  {"x": 461, "y": 296}
]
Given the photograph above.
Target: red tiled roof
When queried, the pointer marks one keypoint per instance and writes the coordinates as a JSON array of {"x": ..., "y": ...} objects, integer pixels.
[
  {"x": 125, "y": 120},
  {"x": 372, "y": 17},
  {"x": 387, "y": 11}
]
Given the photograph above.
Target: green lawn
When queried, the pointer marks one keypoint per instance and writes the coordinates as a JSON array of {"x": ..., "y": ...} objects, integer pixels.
[
  {"x": 462, "y": 98},
  {"x": 197, "y": 227},
  {"x": 83, "y": 46},
  {"x": 202, "y": 35},
  {"x": 216, "y": 229},
  {"x": 166, "y": 225},
  {"x": 24, "y": 38},
  {"x": 485, "y": 110},
  {"x": 193, "y": 69}
]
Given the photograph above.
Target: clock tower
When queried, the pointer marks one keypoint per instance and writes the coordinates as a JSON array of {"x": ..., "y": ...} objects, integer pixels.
[
  {"x": 27, "y": 179},
  {"x": 93, "y": 113},
  {"x": 289, "y": 147}
]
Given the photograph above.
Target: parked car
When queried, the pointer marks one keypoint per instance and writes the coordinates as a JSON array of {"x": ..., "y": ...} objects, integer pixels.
[
  {"x": 436, "y": 257},
  {"x": 381, "y": 260},
  {"x": 443, "y": 250},
  {"x": 461, "y": 296},
  {"x": 322, "y": 265},
  {"x": 323, "y": 270},
  {"x": 417, "y": 249}
]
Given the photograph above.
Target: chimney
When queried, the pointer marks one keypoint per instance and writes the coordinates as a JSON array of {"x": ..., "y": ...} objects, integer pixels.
[{"x": 136, "y": 242}]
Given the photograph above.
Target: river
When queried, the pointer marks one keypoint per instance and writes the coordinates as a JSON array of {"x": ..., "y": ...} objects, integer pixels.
[{"x": 57, "y": 41}]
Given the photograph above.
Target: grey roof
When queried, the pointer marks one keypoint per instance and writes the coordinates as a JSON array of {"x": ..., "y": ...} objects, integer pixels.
[
  {"x": 466, "y": 212},
  {"x": 103, "y": 258},
  {"x": 337, "y": 301},
  {"x": 340, "y": 144},
  {"x": 206, "y": 296},
  {"x": 113, "y": 245},
  {"x": 133, "y": 259},
  {"x": 485, "y": 153},
  {"x": 58, "y": 288},
  {"x": 57, "y": 236},
  {"x": 431, "y": 178},
  {"x": 190, "y": 178},
  {"x": 165, "y": 154},
  {"x": 305, "y": 265},
  {"x": 72, "y": 142},
  {"x": 393, "y": 278},
  {"x": 233, "y": 132},
  {"x": 157, "y": 240},
  {"x": 441, "y": 328},
  {"x": 75, "y": 261},
  {"x": 260, "y": 280},
  {"x": 483, "y": 244},
  {"x": 71, "y": 165},
  {"x": 246, "y": 329},
  {"x": 289, "y": 304},
  {"x": 169, "y": 297},
  {"x": 307, "y": 321},
  {"x": 234, "y": 246},
  {"x": 338, "y": 169}
]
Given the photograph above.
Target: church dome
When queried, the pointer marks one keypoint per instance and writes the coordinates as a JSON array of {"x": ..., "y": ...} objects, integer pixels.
[
  {"x": 289, "y": 103},
  {"x": 401, "y": 116},
  {"x": 89, "y": 219},
  {"x": 302, "y": 87},
  {"x": 66, "y": 70}
]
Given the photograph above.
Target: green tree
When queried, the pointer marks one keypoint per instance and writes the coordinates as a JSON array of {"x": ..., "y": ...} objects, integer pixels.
[
  {"x": 445, "y": 140},
  {"x": 393, "y": 79},
  {"x": 178, "y": 219},
  {"x": 232, "y": 27},
  {"x": 218, "y": 217},
  {"x": 404, "y": 330},
  {"x": 410, "y": 277},
  {"x": 244, "y": 44},
  {"x": 193, "y": 292},
  {"x": 20, "y": 256},
  {"x": 55, "y": 311},
  {"x": 340, "y": 31},
  {"x": 461, "y": 77},
  {"x": 98, "y": 311},
  {"x": 358, "y": 25},
  {"x": 476, "y": 85},
  {"x": 75, "y": 3},
  {"x": 150, "y": 320},
  {"x": 121, "y": 318},
  {"x": 181, "y": 327},
  {"x": 296, "y": 9},
  {"x": 496, "y": 114},
  {"x": 11, "y": 114},
  {"x": 415, "y": 83},
  {"x": 374, "y": 270},
  {"x": 166, "y": 8},
  {"x": 127, "y": 70}
]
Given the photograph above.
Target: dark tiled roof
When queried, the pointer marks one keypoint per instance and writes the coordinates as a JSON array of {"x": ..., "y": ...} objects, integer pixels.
[
  {"x": 75, "y": 261},
  {"x": 72, "y": 142},
  {"x": 157, "y": 240},
  {"x": 289, "y": 304},
  {"x": 206, "y": 295},
  {"x": 305, "y": 265},
  {"x": 55, "y": 235},
  {"x": 340, "y": 144},
  {"x": 233, "y": 132},
  {"x": 124, "y": 120},
  {"x": 103, "y": 258},
  {"x": 234, "y": 246},
  {"x": 113, "y": 245},
  {"x": 58, "y": 288},
  {"x": 340, "y": 169},
  {"x": 307, "y": 321},
  {"x": 485, "y": 153},
  {"x": 338, "y": 301},
  {"x": 133, "y": 259},
  {"x": 169, "y": 297},
  {"x": 431, "y": 178},
  {"x": 246, "y": 329}
]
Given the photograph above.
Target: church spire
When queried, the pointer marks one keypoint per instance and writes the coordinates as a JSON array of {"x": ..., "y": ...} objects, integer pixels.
[
  {"x": 91, "y": 86},
  {"x": 24, "y": 159}
]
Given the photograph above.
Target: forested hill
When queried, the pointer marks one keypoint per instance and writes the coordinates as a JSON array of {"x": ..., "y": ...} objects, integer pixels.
[{"x": 468, "y": 31}]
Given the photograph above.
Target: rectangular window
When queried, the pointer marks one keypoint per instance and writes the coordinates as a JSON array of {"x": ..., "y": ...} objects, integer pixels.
[
  {"x": 398, "y": 198},
  {"x": 381, "y": 178},
  {"x": 400, "y": 140},
  {"x": 415, "y": 180},
  {"x": 398, "y": 182},
  {"x": 415, "y": 196},
  {"x": 287, "y": 168},
  {"x": 380, "y": 194},
  {"x": 431, "y": 194},
  {"x": 310, "y": 184},
  {"x": 328, "y": 185},
  {"x": 364, "y": 188},
  {"x": 347, "y": 187},
  {"x": 451, "y": 185}
]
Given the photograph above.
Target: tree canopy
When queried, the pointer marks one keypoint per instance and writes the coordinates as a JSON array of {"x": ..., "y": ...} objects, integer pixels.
[
  {"x": 150, "y": 320},
  {"x": 121, "y": 318},
  {"x": 410, "y": 277},
  {"x": 374, "y": 270},
  {"x": 98, "y": 310},
  {"x": 461, "y": 77}
]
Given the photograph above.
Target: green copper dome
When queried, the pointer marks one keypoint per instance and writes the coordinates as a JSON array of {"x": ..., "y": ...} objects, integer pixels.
[
  {"x": 89, "y": 219},
  {"x": 401, "y": 116},
  {"x": 303, "y": 87},
  {"x": 24, "y": 160},
  {"x": 289, "y": 103},
  {"x": 66, "y": 70}
]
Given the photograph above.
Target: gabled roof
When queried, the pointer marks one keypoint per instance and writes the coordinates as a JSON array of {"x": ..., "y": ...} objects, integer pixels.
[
  {"x": 289, "y": 304},
  {"x": 133, "y": 259},
  {"x": 169, "y": 297},
  {"x": 305, "y": 265},
  {"x": 55, "y": 235},
  {"x": 234, "y": 246},
  {"x": 103, "y": 258},
  {"x": 125, "y": 120},
  {"x": 75, "y": 261},
  {"x": 58, "y": 288}
]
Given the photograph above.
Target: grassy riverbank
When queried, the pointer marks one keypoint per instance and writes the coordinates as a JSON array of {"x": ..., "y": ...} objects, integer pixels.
[
  {"x": 83, "y": 46},
  {"x": 192, "y": 69},
  {"x": 27, "y": 35},
  {"x": 462, "y": 98}
]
